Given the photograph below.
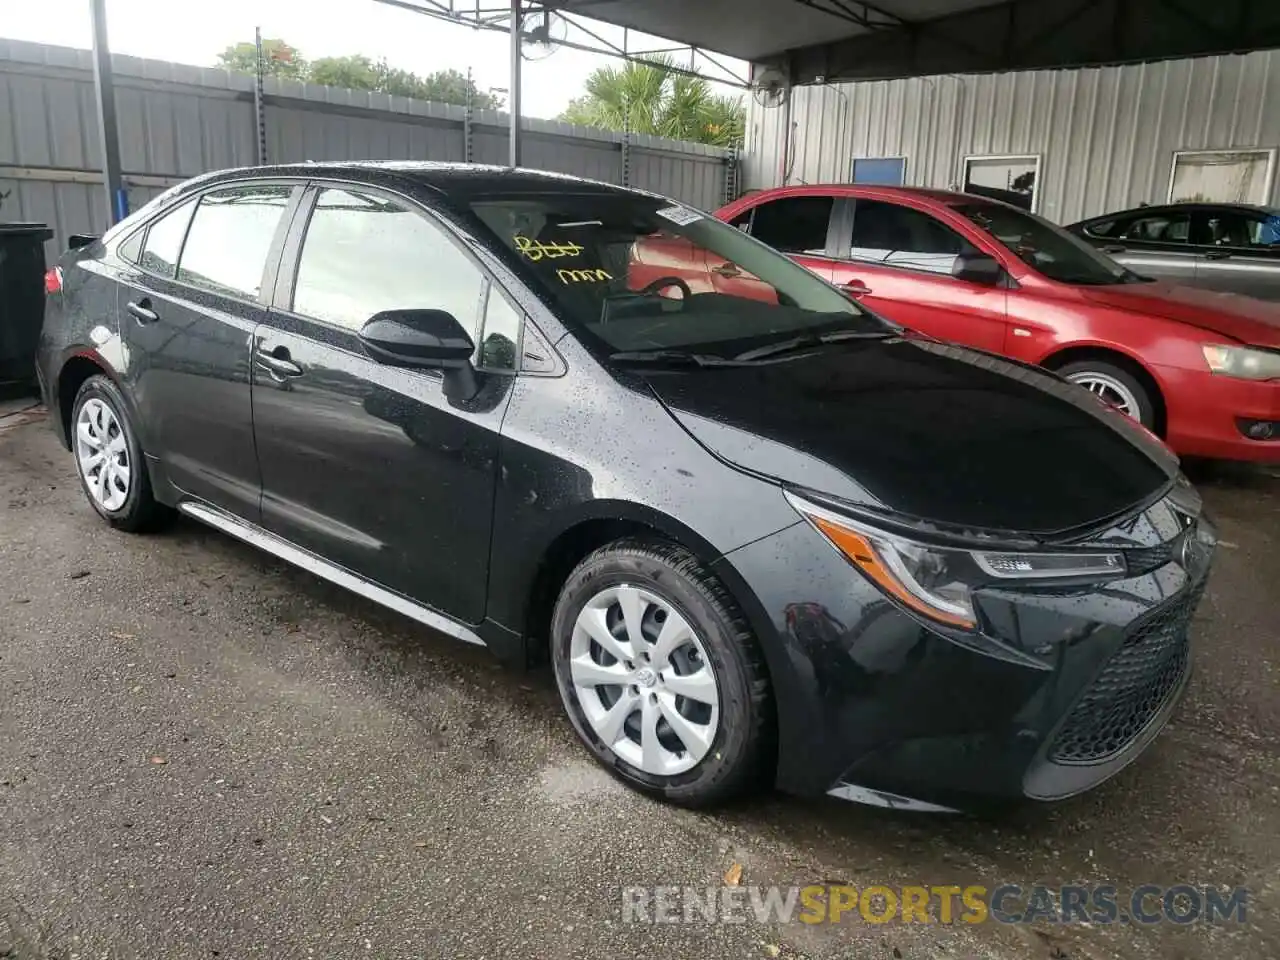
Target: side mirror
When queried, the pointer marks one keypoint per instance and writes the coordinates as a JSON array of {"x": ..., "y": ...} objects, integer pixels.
[
  {"x": 430, "y": 339},
  {"x": 416, "y": 338},
  {"x": 978, "y": 268}
]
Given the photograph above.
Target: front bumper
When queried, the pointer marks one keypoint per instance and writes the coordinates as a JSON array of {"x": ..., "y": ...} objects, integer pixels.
[
  {"x": 1207, "y": 415},
  {"x": 1066, "y": 687}
]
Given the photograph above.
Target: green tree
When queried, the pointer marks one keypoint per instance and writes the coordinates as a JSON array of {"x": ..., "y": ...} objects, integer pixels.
[
  {"x": 352, "y": 72},
  {"x": 654, "y": 99},
  {"x": 358, "y": 72},
  {"x": 451, "y": 86},
  {"x": 279, "y": 59}
]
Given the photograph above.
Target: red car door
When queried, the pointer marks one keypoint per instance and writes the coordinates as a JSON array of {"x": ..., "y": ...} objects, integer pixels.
[
  {"x": 661, "y": 257},
  {"x": 897, "y": 259}
]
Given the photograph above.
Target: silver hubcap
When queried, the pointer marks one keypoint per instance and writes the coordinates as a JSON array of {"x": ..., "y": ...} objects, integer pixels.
[
  {"x": 103, "y": 454},
  {"x": 1110, "y": 390},
  {"x": 642, "y": 677}
]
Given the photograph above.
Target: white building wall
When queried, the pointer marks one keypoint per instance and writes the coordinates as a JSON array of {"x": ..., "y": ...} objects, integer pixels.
[{"x": 1106, "y": 137}]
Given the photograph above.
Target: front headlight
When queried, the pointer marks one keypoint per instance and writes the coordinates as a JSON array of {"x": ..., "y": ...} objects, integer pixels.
[
  {"x": 1245, "y": 363},
  {"x": 938, "y": 581}
]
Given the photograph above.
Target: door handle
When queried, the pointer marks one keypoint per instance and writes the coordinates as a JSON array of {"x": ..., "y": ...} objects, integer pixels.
[
  {"x": 728, "y": 270},
  {"x": 1218, "y": 255},
  {"x": 278, "y": 363},
  {"x": 1114, "y": 248},
  {"x": 855, "y": 288},
  {"x": 142, "y": 310}
]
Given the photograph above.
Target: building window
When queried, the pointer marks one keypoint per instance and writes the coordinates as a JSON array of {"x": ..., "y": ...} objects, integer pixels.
[
  {"x": 1221, "y": 176},
  {"x": 1011, "y": 179},
  {"x": 888, "y": 171}
]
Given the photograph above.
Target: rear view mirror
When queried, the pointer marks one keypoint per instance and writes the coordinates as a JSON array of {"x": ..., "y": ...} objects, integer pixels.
[
  {"x": 978, "y": 268},
  {"x": 431, "y": 339}
]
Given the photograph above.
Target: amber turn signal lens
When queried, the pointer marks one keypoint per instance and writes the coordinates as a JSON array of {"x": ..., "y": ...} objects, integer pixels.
[{"x": 862, "y": 553}]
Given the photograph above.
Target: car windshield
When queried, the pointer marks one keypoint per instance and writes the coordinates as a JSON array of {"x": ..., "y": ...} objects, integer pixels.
[
  {"x": 1049, "y": 249},
  {"x": 635, "y": 274}
]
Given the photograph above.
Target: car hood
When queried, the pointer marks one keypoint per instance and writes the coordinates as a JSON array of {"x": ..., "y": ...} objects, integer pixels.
[
  {"x": 1241, "y": 318},
  {"x": 926, "y": 431}
]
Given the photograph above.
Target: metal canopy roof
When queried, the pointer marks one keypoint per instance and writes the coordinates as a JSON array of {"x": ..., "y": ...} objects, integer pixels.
[
  {"x": 812, "y": 41},
  {"x": 826, "y": 40}
]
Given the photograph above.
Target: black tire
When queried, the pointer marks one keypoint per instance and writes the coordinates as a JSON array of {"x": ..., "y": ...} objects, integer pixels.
[
  {"x": 741, "y": 752},
  {"x": 1141, "y": 394},
  {"x": 140, "y": 511}
]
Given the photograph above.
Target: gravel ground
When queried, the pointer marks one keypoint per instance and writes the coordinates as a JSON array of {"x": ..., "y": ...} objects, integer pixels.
[{"x": 205, "y": 753}]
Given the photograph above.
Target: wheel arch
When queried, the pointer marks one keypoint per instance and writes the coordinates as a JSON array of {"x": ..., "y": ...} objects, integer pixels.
[
  {"x": 1125, "y": 361},
  {"x": 75, "y": 370},
  {"x": 605, "y": 523}
]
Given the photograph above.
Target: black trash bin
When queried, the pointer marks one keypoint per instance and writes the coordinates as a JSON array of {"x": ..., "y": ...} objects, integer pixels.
[{"x": 22, "y": 269}]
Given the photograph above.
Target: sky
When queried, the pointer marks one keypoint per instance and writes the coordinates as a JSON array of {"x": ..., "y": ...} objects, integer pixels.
[{"x": 196, "y": 31}]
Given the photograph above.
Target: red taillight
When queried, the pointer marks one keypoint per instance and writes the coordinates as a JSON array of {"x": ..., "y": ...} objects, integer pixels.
[{"x": 53, "y": 280}]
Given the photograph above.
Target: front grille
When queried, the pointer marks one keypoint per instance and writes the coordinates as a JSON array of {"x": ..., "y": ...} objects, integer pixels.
[
  {"x": 1132, "y": 686},
  {"x": 1145, "y": 559}
]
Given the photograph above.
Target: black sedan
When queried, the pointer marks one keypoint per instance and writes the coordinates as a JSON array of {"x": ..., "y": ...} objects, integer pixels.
[
  {"x": 1229, "y": 247},
  {"x": 761, "y": 534}
]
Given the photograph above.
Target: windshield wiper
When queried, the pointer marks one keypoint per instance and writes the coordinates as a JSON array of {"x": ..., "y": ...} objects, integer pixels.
[
  {"x": 675, "y": 357},
  {"x": 809, "y": 340}
]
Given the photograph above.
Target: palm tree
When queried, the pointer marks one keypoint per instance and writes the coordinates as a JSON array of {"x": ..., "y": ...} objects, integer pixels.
[{"x": 651, "y": 98}]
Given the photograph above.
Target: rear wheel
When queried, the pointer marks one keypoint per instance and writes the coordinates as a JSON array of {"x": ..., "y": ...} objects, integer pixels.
[
  {"x": 660, "y": 675},
  {"x": 1114, "y": 385},
  {"x": 109, "y": 459}
]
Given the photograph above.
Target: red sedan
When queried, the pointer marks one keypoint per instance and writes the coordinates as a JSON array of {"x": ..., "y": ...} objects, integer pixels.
[{"x": 1199, "y": 368}]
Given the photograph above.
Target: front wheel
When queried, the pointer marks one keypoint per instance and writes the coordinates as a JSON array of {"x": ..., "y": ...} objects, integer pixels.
[
  {"x": 660, "y": 675},
  {"x": 1115, "y": 386}
]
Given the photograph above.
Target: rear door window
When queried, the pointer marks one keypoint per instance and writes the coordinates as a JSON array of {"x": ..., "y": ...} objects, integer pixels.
[
  {"x": 899, "y": 236},
  {"x": 1156, "y": 228},
  {"x": 230, "y": 236},
  {"x": 792, "y": 224},
  {"x": 1101, "y": 228}
]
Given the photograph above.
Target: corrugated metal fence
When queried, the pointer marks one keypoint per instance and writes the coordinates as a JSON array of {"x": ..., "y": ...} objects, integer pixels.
[
  {"x": 1106, "y": 137},
  {"x": 177, "y": 121}
]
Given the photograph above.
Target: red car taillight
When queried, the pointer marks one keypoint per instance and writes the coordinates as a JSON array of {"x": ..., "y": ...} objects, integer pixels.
[{"x": 53, "y": 280}]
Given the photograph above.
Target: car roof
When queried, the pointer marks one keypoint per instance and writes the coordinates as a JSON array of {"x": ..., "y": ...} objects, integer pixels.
[
  {"x": 455, "y": 180},
  {"x": 1188, "y": 207},
  {"x": 875, "y": 192},
  {"x": 853, "y": 189}
]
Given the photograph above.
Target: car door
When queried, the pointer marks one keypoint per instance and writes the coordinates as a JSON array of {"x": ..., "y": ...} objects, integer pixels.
[
  {"x": 1154, "y": 243},
  {"x": 1239, "y": 252},
  {"x": 371, "y": 466},
  {"x": 799, "y": 225},
  {"x": 188, "y": 310},
  {"x": 897, "y": 260}
]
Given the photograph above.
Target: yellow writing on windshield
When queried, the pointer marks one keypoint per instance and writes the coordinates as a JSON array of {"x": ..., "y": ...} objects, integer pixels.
[
  {"x": 537, "y": 250},
  {"x": 583, "y": 276}
]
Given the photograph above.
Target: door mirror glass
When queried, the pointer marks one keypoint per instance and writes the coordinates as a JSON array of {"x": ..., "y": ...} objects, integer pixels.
[
  {"x": 417, "y": 338},
  {"x": 978, "y": 268}
]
